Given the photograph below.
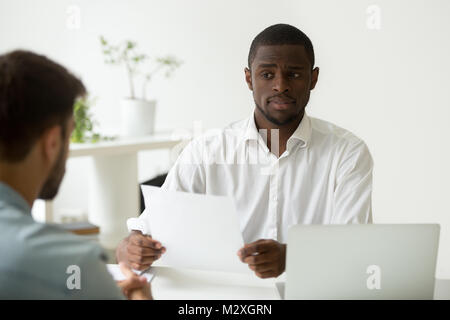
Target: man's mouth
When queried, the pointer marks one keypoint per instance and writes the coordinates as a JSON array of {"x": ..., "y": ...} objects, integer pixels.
[{"x": 281, "y": 103}]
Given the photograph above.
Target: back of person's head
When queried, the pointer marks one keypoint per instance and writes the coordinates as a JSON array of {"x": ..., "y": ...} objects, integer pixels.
[
  {"x": 281, "y": 34},
  {"x": 35, "y": 94}
]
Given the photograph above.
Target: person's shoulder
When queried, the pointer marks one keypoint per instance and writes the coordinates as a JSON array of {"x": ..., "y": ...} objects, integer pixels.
[
  {"x": 237, "y": 126},
  {"x": 46, "y": 251},
  {"x": 43, "y": 256},
  {"x": 345, "y": 145},
  {"x": 220, "y": 138},
  {"x": 328, "y": 132}
]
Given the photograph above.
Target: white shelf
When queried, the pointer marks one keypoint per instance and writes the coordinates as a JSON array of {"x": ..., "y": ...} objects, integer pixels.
[
  {"x": 113, "y": 183},
  {"x": 123, "y": 145}
]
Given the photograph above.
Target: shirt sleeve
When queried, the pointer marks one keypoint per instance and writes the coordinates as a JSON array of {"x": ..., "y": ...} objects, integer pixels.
[
  {"x": 353, "y": 188},
  {"x": 187, "y": 173},
  {"x": 96, "y": 281}
]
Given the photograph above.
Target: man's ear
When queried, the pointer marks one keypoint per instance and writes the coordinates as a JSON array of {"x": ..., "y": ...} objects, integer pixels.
[
  {"x": 314, "y": 77},
  {"x": 248, "y": 78},
  {"x": 51, "y": 142}
]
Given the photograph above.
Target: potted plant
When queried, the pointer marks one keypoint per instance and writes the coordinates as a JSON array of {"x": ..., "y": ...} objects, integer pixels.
[
  {"x": 137, "y": 114},
  {"x": 84, "y": 125}
]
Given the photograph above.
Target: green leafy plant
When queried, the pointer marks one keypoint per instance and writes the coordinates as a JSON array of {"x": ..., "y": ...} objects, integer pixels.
[
  {"x": 125, "y": 54},
  {"x": 84, "y": 125}
]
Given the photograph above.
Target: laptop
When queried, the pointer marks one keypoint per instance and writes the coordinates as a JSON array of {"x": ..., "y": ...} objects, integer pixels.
[{"x": 371, "y": 261}]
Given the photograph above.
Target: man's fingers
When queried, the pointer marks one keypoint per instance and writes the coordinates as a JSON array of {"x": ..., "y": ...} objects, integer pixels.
[
  {"x": 145, "y": 241},
  {"x": 142, "y": 260},
  {"x": 264, "y": 267},
  {"x": 265, "y": 257},
  {"x": 265, "y": 275},
  {"x": 143, "y": 251},
  {"x": 138, "y": 266},
  {"x": 131, "y": 283},
  {"x": 127, "y": 272},
  {"x": 259, "y": 246},
  {"x": 258, "y": 259}
]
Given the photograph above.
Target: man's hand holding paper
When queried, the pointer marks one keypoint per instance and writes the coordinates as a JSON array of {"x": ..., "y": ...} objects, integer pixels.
[
  {"x": 267, "y": 258},
  {"x": 198, "y": 232},
  {"x": 139, "y": 250}
]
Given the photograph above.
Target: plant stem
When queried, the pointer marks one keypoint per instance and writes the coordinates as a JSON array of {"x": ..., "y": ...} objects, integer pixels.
[
  {"x": 152, "y": 73},
  {"x": 130, "y": 75},
  {"x": 130, "y": 80},
  {"x": 144, "y": 86}
]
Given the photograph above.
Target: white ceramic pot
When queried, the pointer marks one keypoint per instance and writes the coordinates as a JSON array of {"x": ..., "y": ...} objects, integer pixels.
[{"x": 138, "y": 117}]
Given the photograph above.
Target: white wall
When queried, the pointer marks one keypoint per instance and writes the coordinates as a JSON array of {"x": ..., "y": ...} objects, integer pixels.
[{"x": 389, "y": 86}]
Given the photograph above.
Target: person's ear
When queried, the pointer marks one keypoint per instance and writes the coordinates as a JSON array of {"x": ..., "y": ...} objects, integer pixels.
[
  {"x": 314, "y": 77},
  {"x": 52, "y": 143},
  {"x": 248, "y": 78}
]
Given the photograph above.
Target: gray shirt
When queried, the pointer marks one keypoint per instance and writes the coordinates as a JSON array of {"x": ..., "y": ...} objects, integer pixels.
[{"x": 39, "y": 261}]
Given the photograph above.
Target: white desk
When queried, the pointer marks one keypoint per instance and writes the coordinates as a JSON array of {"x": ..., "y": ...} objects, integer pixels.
[
  {"x": 181, "y": 284},
  {"x": 442, "y": 289},
  {"x": 113, "y": 184}
]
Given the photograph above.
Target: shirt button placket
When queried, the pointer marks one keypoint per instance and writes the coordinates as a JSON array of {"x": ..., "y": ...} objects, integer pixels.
[{"x": 273, "y": 201}]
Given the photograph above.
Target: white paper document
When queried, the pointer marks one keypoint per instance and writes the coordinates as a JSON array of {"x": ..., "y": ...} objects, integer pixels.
[
  {"x": 198, "y": 231},
  {"x": 114, "y": 270}
]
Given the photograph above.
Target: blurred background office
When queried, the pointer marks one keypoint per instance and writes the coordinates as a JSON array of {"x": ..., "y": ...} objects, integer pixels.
[{"x": 384, "y": 75}]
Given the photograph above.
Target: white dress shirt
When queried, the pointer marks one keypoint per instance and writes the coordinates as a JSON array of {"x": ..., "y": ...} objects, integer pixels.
[{"x": 323, "y": 177}]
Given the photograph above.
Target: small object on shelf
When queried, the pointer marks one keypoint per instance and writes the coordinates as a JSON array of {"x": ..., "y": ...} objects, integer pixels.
[{"x": 80, "y": 228}]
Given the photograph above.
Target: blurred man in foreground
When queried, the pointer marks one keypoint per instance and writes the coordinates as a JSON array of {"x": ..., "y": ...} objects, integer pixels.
[{"x": 36, "y": 120}]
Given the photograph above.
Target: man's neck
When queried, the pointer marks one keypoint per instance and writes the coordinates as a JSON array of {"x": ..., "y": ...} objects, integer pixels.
[
  {"x": 284, "y": 131},
  {"x": 21, "y": 180}
]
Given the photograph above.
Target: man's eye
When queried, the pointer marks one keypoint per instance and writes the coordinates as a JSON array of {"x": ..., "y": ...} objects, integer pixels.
[
  {"x": 267, "y": 75},
  {"x": 295, "y": 75}
]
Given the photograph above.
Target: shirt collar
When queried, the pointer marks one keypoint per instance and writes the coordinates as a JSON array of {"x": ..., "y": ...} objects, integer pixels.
[
  {"x": 251, "y": 132},
  {"x": 302, "y": 133},
  {"x": 11, "y": 197}
]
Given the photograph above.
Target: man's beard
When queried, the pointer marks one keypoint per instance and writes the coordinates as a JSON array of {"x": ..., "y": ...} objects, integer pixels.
[
  {"x": 275, "y": 121},
  {"x": 51, "y": 185}
]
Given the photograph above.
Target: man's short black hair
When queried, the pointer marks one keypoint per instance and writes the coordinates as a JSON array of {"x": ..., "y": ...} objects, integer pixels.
[
  {"x": 280, "y": 34},
  {"x": 35, "y": 94}
]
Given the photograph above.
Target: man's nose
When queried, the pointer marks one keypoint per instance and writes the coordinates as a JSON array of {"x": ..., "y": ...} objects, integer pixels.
[{"x": 280, "y": 84}]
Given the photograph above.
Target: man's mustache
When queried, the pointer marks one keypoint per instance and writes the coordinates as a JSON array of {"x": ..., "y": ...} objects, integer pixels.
[{"x": 281, "y": 96}]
